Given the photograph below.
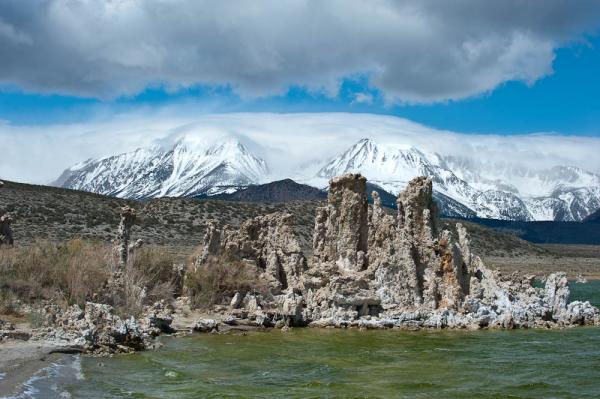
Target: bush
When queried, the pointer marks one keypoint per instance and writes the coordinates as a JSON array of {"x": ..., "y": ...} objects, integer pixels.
[
  {"x": 8, "y": 303},
  {"x": 216, "y": 281},
  {"x": 73, "y": 271},
  {"x": 78, "y": 271},
  {"x": 154, "y": 268}
]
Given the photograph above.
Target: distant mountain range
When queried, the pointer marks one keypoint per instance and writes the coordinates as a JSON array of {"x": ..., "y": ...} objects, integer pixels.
[
  {"x": 464, "y": 186},
  {"x": 546, "y": 232},
  {"x": 593, "y": 218}
]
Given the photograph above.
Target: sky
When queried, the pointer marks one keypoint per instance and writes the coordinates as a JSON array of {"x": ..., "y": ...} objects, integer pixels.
[{"x": 86, "y": 78}]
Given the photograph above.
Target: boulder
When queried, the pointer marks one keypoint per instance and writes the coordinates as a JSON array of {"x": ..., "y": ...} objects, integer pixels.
[
  {"x": 157, "y": 319},
  {"x": 205, "y": 325}
]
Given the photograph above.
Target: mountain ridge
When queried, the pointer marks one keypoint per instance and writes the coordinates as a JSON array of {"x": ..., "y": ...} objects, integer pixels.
[
  {"x": 566, "y": 198},
  {"x": 182, "y": 170},
  {"x": 593, "y": 218},
  {"x": 464, "y": 187},
  {"x": 285, "y": 190}
]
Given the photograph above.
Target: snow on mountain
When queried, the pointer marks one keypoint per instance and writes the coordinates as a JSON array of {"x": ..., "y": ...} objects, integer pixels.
[
  {"x": 506, "y": 176},
  {"x": 188, "y": 168},
  {"x": 488, "y": 191},
  {"x": 393, "y": 166},
  {"x": 464, "y": 186}
]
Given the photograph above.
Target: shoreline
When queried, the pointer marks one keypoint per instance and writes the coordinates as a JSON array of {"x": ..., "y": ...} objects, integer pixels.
[{"x": 21, "y": 360}]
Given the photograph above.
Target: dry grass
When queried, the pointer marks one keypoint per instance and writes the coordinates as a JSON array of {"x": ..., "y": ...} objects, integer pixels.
[
  {"x": 78, "y": 271},
  {"x": 70, "y": 272},
  {"x": 216, "y": 281},
  {"x": 149, "y": 277}
]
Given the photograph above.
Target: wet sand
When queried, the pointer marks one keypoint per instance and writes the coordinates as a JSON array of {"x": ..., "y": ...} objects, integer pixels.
[{"x": 21, "y": 360}]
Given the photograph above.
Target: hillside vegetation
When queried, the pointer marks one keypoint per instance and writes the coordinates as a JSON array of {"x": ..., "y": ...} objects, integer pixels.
[{"x": 177, "y": 225}]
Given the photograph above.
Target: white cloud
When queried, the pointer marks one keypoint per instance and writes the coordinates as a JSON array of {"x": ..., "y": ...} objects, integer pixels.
[
  {"x": 292, "y": 144},
  {"x": 363, "y": 98},
  {"x": 413, "y": 51}
]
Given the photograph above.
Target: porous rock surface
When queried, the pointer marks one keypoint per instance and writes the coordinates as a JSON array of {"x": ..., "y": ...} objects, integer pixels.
[
  {"x": 128, "y": 216},
  {"x": 96, "y": 329},
  {"x": 373, "y": 269},
  {"x": 266, "y": 246}
]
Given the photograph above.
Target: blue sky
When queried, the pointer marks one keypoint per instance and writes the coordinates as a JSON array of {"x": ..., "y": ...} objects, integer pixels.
[
  {"x": 508, "y": 67},
  {"x": 81, "y": 79},
  {"x": 567, "y": 101}
]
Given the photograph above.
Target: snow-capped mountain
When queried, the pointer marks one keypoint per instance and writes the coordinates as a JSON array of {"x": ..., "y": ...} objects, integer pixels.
[
  {"x": 188, "y": 168},
  {"x": 471, "y": 187},
  {"x": 464, "y": 186}
]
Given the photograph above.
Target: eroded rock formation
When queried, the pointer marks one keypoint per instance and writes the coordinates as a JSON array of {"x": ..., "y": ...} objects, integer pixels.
[
  {"x": 268, "y": 248},
  {"x": 374, "y": 269},
  {"x": 265, "y": 243},
  {"x": 124, "y": 234},
  {"x": 382, "y": 264},
  {"x": 6, "y": 235},
  {"x": 341, "y": 226},
  {"x": 95, "y": 327}
]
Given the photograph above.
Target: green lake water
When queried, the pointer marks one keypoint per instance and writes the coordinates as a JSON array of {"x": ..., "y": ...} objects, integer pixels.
[{"x": 318, "y": 363}]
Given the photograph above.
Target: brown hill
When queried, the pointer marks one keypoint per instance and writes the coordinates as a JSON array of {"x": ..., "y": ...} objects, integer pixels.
[{"x": 56, "y": 214}]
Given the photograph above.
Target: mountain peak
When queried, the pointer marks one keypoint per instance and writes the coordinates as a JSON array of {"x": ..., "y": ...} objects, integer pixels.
[
  {"x": 464, "y": 186},
  {"x": 190, "y": 166}
]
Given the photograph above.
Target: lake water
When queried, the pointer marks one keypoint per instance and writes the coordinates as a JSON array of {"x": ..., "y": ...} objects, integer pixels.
[{"x": 354, "y": 364}]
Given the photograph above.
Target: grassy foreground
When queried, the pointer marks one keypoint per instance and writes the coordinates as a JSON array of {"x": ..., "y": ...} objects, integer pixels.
[{"x": 78, "y": 271}]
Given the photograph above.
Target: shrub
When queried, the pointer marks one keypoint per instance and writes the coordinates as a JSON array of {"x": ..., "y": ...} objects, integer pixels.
[
  {"x": 217, "y": 280},
  {"x": 153, "y": 267},
  {"x": 8, "y": 303},
  {"x": 73, "y": 271},
  {"x": 77, "y": 271}
]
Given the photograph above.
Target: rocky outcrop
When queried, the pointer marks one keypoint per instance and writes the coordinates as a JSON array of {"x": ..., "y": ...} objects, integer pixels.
[
  {"x": 415, "y": 265},
  {"x": 124, "y": 234},
  {"x": 371, "y": 268},
  {"x": 266, "y": 244},
  {"x": 418, "y": 275},
  {"x": 341, "y": 226},
  {"x": 6, "y": 235},
  {"x": 370, "y": 263},
  {"x": 97, "y": 329},
  {"x": 267, "y": 247}
]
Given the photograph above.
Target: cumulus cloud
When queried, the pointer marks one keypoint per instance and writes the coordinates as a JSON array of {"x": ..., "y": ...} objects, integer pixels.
[
  {"x": 293, "y": 145},
  {"x": 413, "y": 51}
]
